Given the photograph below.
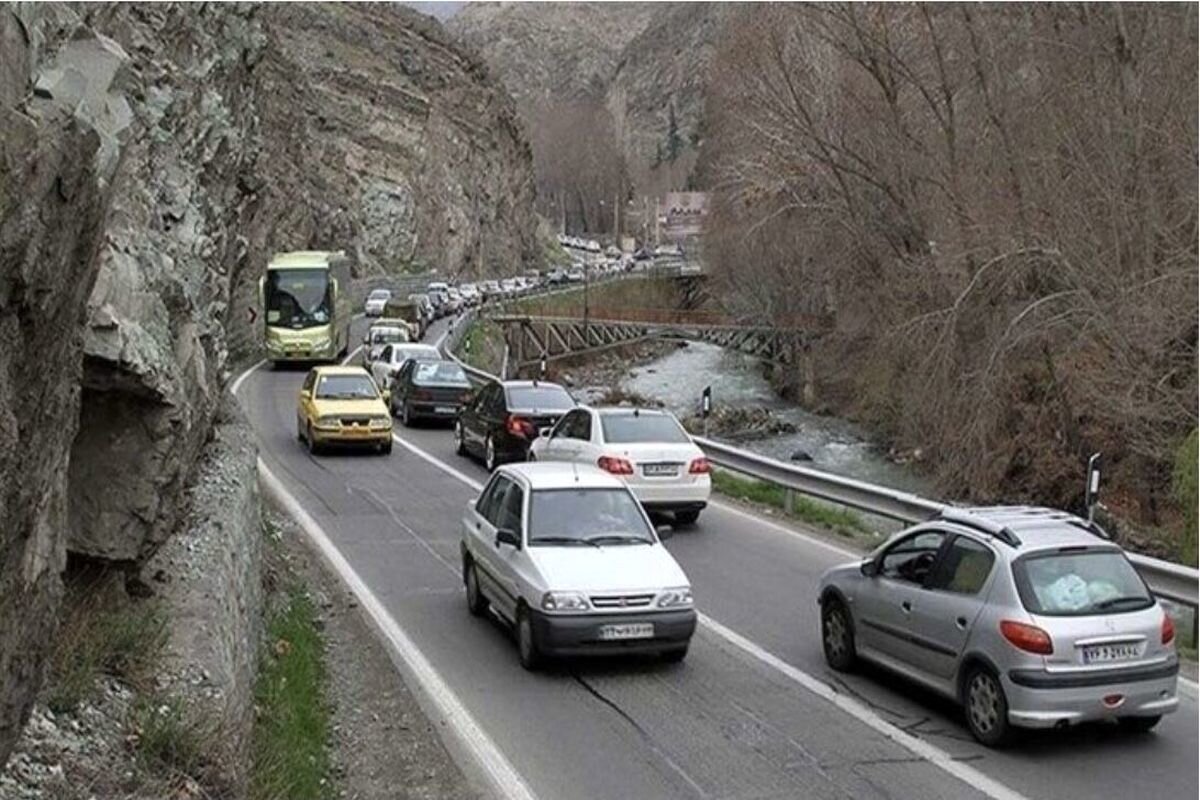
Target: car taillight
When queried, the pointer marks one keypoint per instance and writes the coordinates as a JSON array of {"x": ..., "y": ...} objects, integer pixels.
[
  {"x": 519, "y": 426},
  {"x": 1029, "y": 638},
  {"x": 1168, "y": 630},
  {"x": 615, "y": 465},
  {"x": 699, "y": 466}
]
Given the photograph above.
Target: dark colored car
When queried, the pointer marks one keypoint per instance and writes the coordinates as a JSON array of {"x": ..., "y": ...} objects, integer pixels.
[
  {"x": 429, "y": 388},
  {"x": 502, "y": 419}
]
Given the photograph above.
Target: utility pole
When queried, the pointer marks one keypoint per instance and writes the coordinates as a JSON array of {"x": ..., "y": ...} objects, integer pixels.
[{"x": 617, "y": 216}]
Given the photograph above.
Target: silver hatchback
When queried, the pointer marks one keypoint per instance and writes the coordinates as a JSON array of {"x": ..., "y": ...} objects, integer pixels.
[{"x": 1028, "y": 617}]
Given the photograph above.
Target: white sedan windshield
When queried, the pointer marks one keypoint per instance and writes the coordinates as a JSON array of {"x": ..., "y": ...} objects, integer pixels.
[{"x": 586, "y": 517}]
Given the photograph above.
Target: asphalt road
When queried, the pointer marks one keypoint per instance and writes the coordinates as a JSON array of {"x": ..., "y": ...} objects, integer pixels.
[{"x": 736, "y": 719}]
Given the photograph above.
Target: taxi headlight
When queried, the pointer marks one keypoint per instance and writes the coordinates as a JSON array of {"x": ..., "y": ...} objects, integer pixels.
[
  {"x": 675, "y": 598},
  {"x": 327, "y": 422},
  {"x": 380, "y": 423},
  {"x": 564, "y": 601}
]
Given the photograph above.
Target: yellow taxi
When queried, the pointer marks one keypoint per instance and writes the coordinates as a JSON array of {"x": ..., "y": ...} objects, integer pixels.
[{"x": 342, "y": 406}]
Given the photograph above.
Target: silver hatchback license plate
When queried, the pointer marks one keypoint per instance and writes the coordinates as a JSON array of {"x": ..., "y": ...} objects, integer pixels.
[
  {"x": 630, "y": 630},
  {"x": 1105, "y": 653},
  {"x": 660, "y": 470}
]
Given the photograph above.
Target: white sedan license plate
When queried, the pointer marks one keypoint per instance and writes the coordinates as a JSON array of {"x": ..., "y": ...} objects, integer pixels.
[
  {"x": 443, "y": 409},
  {"x": 631, "y": 630},
  {"x": 1104, "y": 653},
  {"x": 660, "y": 470}
]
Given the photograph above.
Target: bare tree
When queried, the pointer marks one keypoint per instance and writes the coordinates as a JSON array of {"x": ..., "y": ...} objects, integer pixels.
[{"x": 997, "y": 205}]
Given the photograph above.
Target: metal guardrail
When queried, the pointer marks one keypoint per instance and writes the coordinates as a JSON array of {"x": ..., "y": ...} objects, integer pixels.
[
  {"x": 1174, "y": 582},
  {"x": 859, "y": 495}
]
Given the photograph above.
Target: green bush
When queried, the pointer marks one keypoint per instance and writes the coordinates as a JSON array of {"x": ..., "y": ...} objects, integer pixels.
[
  {"x": 291, "y": 760},
  {"x": 103, "y": 634},
  {"x": 839, "y": 520}
]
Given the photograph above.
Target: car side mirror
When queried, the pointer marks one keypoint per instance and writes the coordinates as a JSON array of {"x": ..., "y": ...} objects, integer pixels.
[
  {"x": 869, "y": 567},
  {"x": 664, "y": 532},
  {"x": 544, "y": 433},
  {"x": 509, "y": 537},
  {"x": 386, "y": 394},
  {"x": 366, "y": 340}
]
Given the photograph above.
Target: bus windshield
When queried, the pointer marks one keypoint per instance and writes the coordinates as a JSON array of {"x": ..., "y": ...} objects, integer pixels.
[{"x": 298, "y": 298}]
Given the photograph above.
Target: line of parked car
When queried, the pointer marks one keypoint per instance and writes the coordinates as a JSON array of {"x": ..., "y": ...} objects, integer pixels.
[{"x": 1026, "y": 617}]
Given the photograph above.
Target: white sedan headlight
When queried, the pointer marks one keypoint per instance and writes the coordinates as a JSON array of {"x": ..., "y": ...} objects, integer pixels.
[
  {"x": 675, "y": 598},
  {"x": 564, "y": 601}
]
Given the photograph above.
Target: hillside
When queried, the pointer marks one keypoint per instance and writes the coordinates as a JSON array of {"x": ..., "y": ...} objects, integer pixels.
[
  {"x": 639, "y": 60},
  {"x": 560, "y": 50},
  {"x": 152, "y": 157}
]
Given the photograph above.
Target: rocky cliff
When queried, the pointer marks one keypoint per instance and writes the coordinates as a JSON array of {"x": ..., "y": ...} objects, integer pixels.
[
  {"x": 639, "y": 59},
  {"x": 563, "y": 51},
  {"x": 151, "y": 159}
]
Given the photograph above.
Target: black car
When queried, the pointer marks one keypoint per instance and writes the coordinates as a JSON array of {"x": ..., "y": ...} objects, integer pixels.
[
  {"x": 428, "y": 388},
  {"x": 502, "y": 419}
]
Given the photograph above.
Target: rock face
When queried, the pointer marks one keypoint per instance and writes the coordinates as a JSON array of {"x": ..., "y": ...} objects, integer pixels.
[
  {"x": 211, "y": 585},
  {"x": 152, "y": 157},
  {"x": 52, "y": 209},
  {"x": 640, "y": 59},
  {"x": 666, "y": 66},
  {"x": 561, "y": 50}
]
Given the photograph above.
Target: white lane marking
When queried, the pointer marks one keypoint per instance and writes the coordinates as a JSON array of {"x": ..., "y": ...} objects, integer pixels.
[
  {"x": 237, "y": 383},
  {"x": 504, "y": 779},
  {"x": 786, "y": 530},
  {"x": 351, "y": 354},
  {"x": 931, "y": 753},
  {"x": 437, "y": 462},
  {"x": 919, "y": 747}
]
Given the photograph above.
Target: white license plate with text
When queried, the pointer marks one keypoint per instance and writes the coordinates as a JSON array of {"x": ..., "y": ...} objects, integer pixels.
[
  {"x": 660, "y": 470},
  {"x": 1106, "y": 653},
  {"x": 631, "y": 630}
]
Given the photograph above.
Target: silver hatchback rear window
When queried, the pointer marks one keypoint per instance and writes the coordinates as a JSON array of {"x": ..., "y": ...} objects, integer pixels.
[{"x": 1076, "y": 582}]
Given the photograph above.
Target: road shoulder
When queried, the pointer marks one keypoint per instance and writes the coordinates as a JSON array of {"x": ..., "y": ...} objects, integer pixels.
[{"x": 383, "y": 745}]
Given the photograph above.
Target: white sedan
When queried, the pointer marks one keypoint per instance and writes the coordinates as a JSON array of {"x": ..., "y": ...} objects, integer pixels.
[
  {"x": 392, "y": 358},
  {"x": 648, "y": 448},
  {"x": 377, "y": 302},
  {"x": 570, "y": 560}
]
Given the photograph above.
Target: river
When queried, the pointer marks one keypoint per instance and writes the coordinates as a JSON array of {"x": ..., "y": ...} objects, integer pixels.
[{"x": 836, "y": 445}]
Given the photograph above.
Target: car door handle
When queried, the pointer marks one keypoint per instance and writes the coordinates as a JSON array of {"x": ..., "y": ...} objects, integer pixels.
[
  {"x": 961, "y": 622},
  {"x": 906, "y": 606}
]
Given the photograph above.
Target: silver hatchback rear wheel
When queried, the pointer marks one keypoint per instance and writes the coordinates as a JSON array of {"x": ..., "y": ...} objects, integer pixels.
[{"x": 986, "y": 708}]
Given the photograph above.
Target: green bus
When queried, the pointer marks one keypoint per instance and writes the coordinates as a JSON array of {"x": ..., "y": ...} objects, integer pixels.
[{"x": 305, "y": 300}]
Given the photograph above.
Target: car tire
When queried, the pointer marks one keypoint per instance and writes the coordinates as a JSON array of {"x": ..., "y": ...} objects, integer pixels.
[
  {"x": 477, "y": 604},
  {"x": 687, "y": 517},
  {"x": 1139, "y": 724},
  {"x": 385, "y": 449},
  {"x": 986, "y": 707},
  {"x": 490, "y": 462},
  {"x": 527, "y": 644},
  {"x": 313, "y": 447},
  {"x": 837, "y": 636},
  {"x": 460, "y": 443},
  {"x": 675, "y": 656},
  {"x": 405, "y": 416}
]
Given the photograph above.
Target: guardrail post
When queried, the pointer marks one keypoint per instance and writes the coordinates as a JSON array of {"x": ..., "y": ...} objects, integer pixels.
[{"x": 789, "y": 502}]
